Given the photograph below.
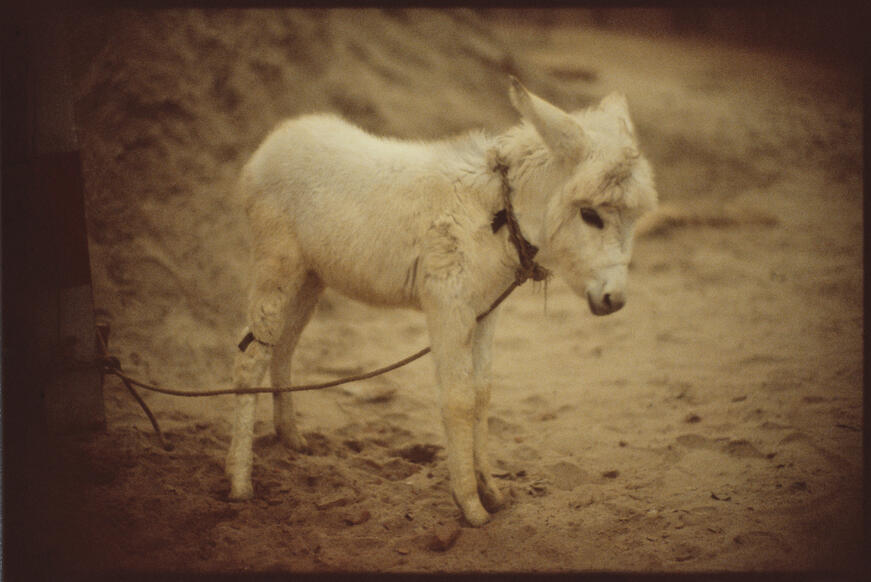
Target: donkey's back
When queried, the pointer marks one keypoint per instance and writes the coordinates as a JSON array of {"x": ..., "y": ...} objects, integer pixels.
[
  {"x": 347, "y": 206},
  {"x": 307, "y": 156}
]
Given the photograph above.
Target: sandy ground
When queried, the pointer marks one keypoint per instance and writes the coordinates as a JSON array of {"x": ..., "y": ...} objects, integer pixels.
[{"x": 715, "y": 423}]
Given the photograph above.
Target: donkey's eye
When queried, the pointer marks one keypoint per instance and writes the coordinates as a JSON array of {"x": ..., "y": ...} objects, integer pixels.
[{"x": 592, "y": 217}]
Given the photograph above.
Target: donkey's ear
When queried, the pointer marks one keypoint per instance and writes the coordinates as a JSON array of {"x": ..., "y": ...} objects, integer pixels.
[
  {"x": 560, "y": 132},
  {"x": 615, "y": 104}
]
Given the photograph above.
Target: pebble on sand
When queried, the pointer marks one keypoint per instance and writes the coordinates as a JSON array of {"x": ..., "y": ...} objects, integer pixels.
[{"x": 444, "y": 537}]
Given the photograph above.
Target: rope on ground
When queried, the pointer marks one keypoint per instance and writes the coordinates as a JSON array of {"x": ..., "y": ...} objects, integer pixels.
[{"x": 112, "y": 365}]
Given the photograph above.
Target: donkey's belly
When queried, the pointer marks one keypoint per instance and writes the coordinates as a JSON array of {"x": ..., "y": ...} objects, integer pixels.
[{"x": 384, "y": 281}]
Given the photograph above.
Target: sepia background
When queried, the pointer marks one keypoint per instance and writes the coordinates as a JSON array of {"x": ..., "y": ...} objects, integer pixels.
[{"x": 715, "y": 423}]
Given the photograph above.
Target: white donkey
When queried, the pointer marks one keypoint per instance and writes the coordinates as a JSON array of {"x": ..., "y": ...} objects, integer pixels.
[{"x": 412, "y": 224}]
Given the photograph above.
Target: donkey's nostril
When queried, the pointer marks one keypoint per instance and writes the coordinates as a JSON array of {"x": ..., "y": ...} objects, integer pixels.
[{"x": 606, "y": 303}]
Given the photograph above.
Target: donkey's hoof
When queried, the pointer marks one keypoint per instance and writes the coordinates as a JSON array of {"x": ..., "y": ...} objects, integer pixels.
[
  {"x": 242, "y": 492},
  {"x": 476, "y": 516},
  {"x": 492, "y": 498},
  {"x": 294, "y": 441},
  {"x": 488, "y": 491}
]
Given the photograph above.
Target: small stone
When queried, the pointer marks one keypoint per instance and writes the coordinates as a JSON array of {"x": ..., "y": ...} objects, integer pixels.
[
  {"x": 537, "y": 489},
  {"x": 583, "y": 499},
  {"x": 684, "y": 552},
  {"x": 357, "y": 517},
  {"x": 337, "y": 500},
  {"x": 444, "y": 537},
  {"x": 693, "y": 418},
  {"x": 403, "y": 549},
  {"x": 613, "y": 474}
]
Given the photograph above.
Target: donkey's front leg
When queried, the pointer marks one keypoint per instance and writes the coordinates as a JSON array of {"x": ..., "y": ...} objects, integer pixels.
[
  {"x": 491, "y": 497},
  {"x": 451, "y": 332},
  {"x": 458, "y": 413}
]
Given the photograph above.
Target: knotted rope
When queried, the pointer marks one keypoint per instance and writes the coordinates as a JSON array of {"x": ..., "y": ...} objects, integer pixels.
[{"x": 526, "y": 251}]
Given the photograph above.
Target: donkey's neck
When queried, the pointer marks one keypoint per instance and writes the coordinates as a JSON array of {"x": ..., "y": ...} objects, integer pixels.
[
  {"x": 472, "y": 159},
  {"x": 531, "y": 177}
]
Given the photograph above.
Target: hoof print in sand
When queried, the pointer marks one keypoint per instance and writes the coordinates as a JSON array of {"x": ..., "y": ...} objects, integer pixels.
[
  {"x": 317, "y": 444},
  {"x": 397, "y": 469},
  {"x": 419, "y": 454}
]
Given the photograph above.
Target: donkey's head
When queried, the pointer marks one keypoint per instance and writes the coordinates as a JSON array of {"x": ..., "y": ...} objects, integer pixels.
[{"x": 581, "y": 185}]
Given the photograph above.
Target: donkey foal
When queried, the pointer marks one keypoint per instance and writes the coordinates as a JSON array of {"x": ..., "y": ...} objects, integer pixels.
[{"x": 412, "y": 224}]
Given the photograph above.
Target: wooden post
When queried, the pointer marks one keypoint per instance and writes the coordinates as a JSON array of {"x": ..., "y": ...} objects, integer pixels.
[
  {"x": 47, "y": 307},
  {"x": 73, "y": 396}
]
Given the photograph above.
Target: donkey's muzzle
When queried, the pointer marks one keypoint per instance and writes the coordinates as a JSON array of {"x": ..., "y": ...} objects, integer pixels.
[
  {"x": 606, "y": 292},
  {"x": 605, "y": 304}
]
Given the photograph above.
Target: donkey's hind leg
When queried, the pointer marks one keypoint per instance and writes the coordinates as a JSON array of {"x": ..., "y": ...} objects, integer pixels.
[
  {"x": 248, "y": 370},
  {"x": 276, "y": 280},
  {"x": 299, "y": 312}
]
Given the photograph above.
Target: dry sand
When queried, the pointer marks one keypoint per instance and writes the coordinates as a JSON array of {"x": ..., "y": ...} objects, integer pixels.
[{"x": 715, "y": 423}]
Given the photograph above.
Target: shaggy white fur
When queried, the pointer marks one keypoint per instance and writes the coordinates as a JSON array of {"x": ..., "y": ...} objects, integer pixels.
[{"x": 394, "y": 222}]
